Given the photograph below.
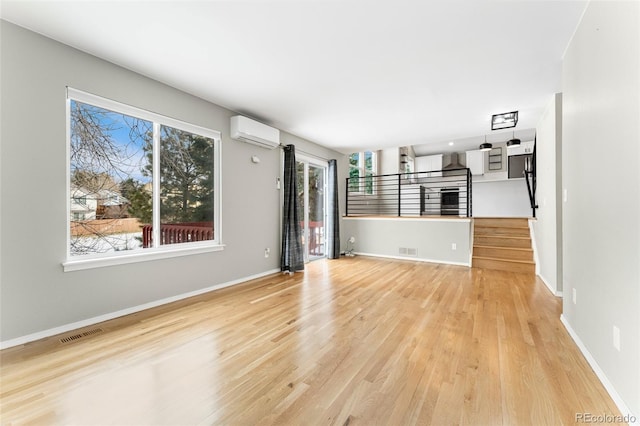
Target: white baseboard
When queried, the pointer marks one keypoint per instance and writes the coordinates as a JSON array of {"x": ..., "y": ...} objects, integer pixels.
[
  {"x": 534, "y": 246},
  {"x": 551, "y": 289},
  {"x": 624, "y": 410},
  {"x": 101, "y": 318},
  {"x": 416, "y": 259}
]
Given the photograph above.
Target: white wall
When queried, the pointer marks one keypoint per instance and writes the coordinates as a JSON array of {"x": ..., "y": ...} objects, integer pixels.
[
  {"x": 548, "y": 226},
  {"x": 504, "y": 198},
  {"x": 601, "y": 173},
  {"x": 36, "y": 295},
  {"x": 389, "y": 161}
]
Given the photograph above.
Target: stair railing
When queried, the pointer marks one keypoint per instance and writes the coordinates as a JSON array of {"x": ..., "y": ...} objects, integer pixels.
[
  {"x": 530, "y": 176},
  {"x": 432, "y": 193}
]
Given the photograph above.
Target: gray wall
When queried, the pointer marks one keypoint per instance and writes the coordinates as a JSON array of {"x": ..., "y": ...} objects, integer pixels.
[
  {"x": 548, "y": 224},
  {"x": 600, "y": 171},
  {"x": 431, "y": 237},
  {"x": 36, "y": 295}
]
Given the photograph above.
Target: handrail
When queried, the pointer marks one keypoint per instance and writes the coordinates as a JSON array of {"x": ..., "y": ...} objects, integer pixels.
[
  {"x": 432, "y": 193},
  {"x": 530, "y": 177}
]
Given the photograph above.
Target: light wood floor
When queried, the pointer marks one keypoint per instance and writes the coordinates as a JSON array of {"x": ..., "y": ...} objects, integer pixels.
[{"x": 355, "y": 341}]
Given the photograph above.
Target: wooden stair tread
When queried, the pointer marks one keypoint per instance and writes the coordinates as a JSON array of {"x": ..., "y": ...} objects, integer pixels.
[
  {"x": 501, "y": 222},
  {"x": 516, "y": 237},
  {"x": 503, "y": 244},
  {"x": 500, "y": 226},
  {"x": 502, "y": 247},
  {"x": 504, "y": 260},
  {"x": 504, "y": 217}
]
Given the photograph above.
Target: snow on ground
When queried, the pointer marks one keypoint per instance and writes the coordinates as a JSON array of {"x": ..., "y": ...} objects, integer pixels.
[{"x": 106, "y": 244}]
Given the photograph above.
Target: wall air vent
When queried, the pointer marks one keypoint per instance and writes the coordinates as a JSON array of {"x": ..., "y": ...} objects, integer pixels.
[{"x": 408, "y": 251}]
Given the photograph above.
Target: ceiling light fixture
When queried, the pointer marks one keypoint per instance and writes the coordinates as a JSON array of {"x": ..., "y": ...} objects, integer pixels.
[
  {"x": 486, "y": 146},
  {"x": 513, "y": 141},
  {"x": 504, "y": 120}
]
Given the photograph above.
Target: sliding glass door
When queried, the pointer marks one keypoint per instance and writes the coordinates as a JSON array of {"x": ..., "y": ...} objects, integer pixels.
[{"x": 312, "y": 181}]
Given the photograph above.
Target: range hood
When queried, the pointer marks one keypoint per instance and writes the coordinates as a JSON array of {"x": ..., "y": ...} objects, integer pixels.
[{"x": 454, "y": 164}]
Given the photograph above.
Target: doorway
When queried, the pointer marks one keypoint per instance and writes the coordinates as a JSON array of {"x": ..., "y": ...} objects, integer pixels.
[{"x": 312, "y": 200}]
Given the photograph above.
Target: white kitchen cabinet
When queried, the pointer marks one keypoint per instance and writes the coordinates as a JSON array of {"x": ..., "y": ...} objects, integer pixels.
[
  {"x": 429, "y": 163},
  {"x": 422, "y": 164},
  {"x": 475, "y": 162}
]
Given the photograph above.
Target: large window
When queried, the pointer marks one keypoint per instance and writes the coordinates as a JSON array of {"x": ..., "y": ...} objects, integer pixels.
[
  {"x": 362, "y": 167},
  {"x": 138, "y": 181}
]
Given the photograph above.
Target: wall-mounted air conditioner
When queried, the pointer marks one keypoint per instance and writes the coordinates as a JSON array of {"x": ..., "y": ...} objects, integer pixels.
[{"x": 247, "y": 130}]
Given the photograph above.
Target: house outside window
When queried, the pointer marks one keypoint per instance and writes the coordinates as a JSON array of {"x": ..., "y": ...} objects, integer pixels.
[
  {"x": 138, "y": 181},
  {"x": 362, "y": 167}
]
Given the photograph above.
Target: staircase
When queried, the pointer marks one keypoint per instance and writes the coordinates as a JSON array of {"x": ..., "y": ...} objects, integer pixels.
[{"x": 503, "y": 243}]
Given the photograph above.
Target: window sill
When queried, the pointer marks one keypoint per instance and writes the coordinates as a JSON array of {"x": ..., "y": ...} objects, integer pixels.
[{"x": 143, "y": 255}]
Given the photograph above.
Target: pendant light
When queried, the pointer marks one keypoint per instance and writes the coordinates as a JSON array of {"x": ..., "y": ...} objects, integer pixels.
[
  {"x": 486, "y": 146},
  {"x": 513, "y": 141}
]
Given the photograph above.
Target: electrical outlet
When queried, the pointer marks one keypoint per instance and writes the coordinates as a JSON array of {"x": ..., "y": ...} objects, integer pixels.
[
  {"x": 454, "y": 246},
  {"x": 574, "y": 296},
  {"x": 616, "y": 338},
  {"x": 267, "y": 252}
]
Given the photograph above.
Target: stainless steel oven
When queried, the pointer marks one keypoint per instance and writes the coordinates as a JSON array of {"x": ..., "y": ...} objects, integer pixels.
[{"x": 450, "y": 201}]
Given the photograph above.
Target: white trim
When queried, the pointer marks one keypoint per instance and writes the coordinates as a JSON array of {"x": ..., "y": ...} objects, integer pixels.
[
  {"x": 144, "y": 114},
  {"x": 307, "y": 161},
  {"x": 80, "y": 263},
  {"x": 536, "y": 260},
  {"x": 74, "y": 263},
  {"x": 617, "y": 399},
  {"x": 312, "y": 160},
  {"x": 106, "y": 317},
  {"x": 305, "y": 207},
  {"x": 472, "y": 231},
  {"x": 362, "y": 171},
  {"x": 534, "y": 246},
  {"x": 155, "y": 185},
  {"x": 416, "y": 259},
  {"x": 409, "y": 218},
  {"x": 217, "y": 200},
  {"x": 546, "y": 283},
  {"x": 67, "y": 218}
]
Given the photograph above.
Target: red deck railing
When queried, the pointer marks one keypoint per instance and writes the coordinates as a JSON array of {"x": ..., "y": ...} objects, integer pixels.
[
  {"x": 175, "y": 233},
  {"x": 316, "y": 237}
]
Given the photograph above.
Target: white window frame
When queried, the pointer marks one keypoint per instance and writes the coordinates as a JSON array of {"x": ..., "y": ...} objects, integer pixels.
[
  {"x": 324, "y": 164},
  {"x": 363, "y": 172},
  {"x": 152, "y": 253}
]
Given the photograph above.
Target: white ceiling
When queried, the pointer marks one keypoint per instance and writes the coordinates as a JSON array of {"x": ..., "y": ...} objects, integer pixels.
[{"x": 348, "y": 74}]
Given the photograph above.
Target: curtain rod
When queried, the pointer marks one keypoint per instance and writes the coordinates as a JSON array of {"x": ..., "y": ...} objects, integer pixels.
[{"x": 307, "y": 153}]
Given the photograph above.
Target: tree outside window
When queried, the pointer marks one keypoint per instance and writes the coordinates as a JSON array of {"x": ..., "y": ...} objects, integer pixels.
[
  {"x": 362, "y": 167},
  {"x": 113, "y": 206}
]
